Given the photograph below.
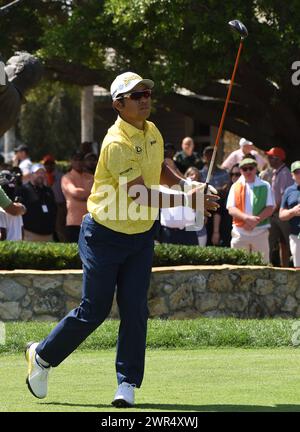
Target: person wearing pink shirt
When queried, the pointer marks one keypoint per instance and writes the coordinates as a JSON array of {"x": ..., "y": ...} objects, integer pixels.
[
  {"x": 246, "y": 147},
  {"x": 76, "y": 186}
]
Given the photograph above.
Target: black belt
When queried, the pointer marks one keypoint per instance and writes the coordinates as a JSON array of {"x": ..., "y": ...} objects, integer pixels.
[{"x": 173, "y": 229}]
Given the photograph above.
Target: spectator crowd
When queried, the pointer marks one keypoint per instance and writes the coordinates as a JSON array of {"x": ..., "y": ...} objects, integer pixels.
[
  {"x": 259, "y": 200},
  {"x": 55, "y": 202}
]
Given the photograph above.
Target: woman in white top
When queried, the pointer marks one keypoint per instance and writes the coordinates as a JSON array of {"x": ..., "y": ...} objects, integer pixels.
[{"x": 178, "y": 224}]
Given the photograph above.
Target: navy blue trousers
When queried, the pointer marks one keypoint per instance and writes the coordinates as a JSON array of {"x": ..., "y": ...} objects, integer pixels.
[{"x": 110, "y": 259}]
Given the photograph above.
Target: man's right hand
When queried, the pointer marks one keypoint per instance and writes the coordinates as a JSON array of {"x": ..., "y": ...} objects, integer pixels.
[
  {"x": 16, "y": 209},
  {"x": 210, "y": 200},
  {"x": 296, "y": 210},
  {"x": 250, "y": 222}
]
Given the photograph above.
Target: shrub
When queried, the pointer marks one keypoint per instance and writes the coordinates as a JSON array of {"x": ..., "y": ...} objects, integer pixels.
[
  {"x": 63, "y": 166},
  {"x": 38, "y": 256},
  {"x": 59, "y": 256},
  {"x": 168, "y": 255}
]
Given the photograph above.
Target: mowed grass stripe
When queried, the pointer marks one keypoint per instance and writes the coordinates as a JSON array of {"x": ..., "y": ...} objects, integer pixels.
[
  {"x": 189, "y": 334},
  {"x": 225, "y": 379}
]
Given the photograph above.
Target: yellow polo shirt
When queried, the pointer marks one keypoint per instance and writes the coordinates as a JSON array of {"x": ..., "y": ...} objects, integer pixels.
[{"x": 126, "y": 153}]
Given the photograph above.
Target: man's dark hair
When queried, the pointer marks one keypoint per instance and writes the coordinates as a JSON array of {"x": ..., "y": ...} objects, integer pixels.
[
  {"x": 169, "y": 150},
  {"x": 121, "y": 100},
  {"x": 86, "y": 147},
  {"x": 77, "y": 156},
  {"x": 90, "y": 155}
]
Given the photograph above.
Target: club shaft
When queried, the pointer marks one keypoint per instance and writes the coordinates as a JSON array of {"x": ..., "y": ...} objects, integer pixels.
[
  {"x": 6, "y": 7},
  {"x": 224, "y": 114}
]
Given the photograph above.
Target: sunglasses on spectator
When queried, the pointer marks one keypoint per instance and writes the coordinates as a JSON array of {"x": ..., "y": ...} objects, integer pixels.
[
  {"x": 235, "y": 174},
  {"x": 247, "y": 168},
  {"x": 297, "y": 171},
  {"x": 136, "y": 95}
]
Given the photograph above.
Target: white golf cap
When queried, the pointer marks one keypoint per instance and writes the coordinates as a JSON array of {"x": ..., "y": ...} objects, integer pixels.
[
  {"x": 126, "y": 82},
  {"x": 36, "y": 167},
  {"x": 244, "y": 141}
]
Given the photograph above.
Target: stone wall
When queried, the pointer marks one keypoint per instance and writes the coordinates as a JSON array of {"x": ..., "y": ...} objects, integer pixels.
[{"x": 175, "y": 292}]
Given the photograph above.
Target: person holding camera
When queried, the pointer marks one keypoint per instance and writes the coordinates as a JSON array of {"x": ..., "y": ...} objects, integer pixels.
[
  {"x": 8, "y": 208},
  {"x": 11, "y": 226}
]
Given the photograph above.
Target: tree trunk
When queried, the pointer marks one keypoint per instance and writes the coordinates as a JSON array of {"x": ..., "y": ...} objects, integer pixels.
[
  {"x": 9, "y": 142},
  {"x": 87, "y": 114}
]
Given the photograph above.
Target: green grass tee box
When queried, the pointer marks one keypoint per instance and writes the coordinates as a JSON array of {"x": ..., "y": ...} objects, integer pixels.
[
  {"x": 191, "y": 334},
  {"x": 205, "y": 380}
]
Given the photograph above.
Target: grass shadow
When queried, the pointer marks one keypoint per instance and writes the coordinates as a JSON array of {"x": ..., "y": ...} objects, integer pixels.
[{"x": 183, "y": 407}]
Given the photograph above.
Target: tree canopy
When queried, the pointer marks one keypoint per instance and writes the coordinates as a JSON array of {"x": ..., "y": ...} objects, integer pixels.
[{"x": 181, "y": 44}]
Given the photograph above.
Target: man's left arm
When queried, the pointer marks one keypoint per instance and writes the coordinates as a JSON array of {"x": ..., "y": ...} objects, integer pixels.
[
  {"x": 262, "y": 162},
  {"x": 267, "y": 212},
  {"x": 169, "y": 177}
]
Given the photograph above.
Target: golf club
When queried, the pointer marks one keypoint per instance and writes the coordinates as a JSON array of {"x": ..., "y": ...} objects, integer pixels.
[
  {"x": 5, "y": 9},
  {"x": 241, "y": 29}
]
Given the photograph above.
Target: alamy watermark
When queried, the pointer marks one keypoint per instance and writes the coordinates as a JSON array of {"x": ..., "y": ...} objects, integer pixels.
[
  {"x": 2, "y": 333},
  {"x": 2, "y": 73},
  {"x": 295, "y": 339},
  {"x": 119, "y": 203},
  {"x": 296, "y": 75}
]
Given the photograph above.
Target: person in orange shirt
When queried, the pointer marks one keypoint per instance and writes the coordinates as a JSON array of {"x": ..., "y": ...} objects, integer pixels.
[{"x": 76, "y": 186}]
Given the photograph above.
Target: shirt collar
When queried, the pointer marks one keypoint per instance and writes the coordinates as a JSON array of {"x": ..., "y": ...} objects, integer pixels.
[
  {"x": 276, "y": 171},
  {"x": 256, "y": 182},
  {"x": 129, "y": 129}
]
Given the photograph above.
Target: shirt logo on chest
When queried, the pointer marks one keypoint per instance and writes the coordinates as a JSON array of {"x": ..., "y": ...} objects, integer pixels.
[{"x": 138, "y": 149}]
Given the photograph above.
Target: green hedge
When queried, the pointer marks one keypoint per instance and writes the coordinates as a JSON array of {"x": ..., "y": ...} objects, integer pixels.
[
  {"x": 59, "y": 256},
  {"x": 63, "y": 166}
]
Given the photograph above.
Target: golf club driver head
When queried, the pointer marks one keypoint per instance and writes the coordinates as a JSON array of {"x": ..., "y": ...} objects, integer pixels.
[{"x": 239, "y": 27}]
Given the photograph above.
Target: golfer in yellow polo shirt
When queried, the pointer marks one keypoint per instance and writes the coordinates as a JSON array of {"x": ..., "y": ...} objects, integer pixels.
[{"x": 116, "y": 241}]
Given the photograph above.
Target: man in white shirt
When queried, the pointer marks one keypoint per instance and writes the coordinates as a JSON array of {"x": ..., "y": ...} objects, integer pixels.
[
  {"x": 246, "y": 147},
  {"x": 23, "y": 161},
  {"x": 250, "y": 203},
  {"x": 11, "y": 227}
]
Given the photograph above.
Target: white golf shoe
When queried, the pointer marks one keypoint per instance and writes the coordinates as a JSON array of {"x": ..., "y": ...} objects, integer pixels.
[
  {"x": 124, "y": 397},
  {"x": 37, "y": 378}
]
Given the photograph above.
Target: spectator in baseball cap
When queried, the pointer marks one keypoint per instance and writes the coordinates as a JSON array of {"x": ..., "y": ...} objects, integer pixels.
[
  {"x": 290, "y": 211},
  {"x": 246, "y": 148},
  {"x": 250, "y": 202},
  {"x": 22, "y": 160},
  {"x": 281, "y": 180},
  {"x": 276, "y": 153}
]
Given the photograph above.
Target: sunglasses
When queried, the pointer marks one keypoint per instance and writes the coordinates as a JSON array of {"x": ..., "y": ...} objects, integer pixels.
[
  {"x": 136, "y": 95},
  {"x": 247, "y": 168},
  {"x": 236, "y": 174},
  {"x": 297, "y": 171}
]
